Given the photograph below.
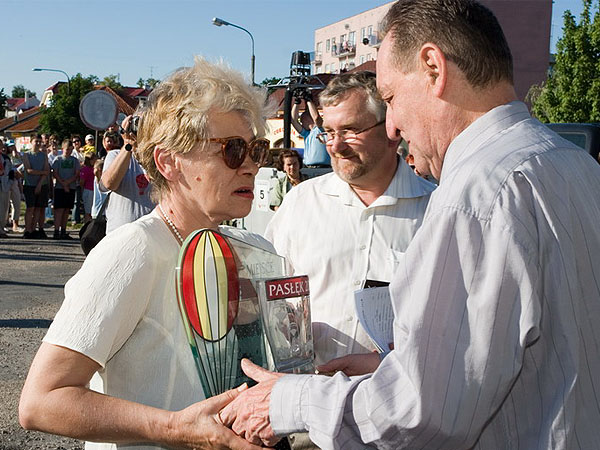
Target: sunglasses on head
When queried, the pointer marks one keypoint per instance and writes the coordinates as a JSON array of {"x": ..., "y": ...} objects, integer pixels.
[{"x": 235, "y": 149}]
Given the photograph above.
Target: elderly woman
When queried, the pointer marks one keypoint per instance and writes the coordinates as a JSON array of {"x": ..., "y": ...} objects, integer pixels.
[{"x": 119, "y": 330}]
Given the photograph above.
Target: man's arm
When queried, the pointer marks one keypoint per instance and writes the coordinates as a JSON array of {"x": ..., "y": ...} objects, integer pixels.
[
  {"x": 115, "y": 172},
  {"x": 314, "y": 112},
  {"x": 55, "y": 399},
  {"x": 464, "y": 316},
  {"x": 295, "y": 113}
]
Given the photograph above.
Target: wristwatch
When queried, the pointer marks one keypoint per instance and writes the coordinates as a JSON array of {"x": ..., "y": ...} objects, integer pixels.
[{"x": 128, "y": 147}]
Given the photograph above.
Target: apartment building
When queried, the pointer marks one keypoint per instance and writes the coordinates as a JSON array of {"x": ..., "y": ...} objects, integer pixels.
[{"x": 355, "y": 40}]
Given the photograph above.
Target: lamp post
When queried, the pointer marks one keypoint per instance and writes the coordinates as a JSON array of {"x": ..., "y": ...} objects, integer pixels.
[
  {"x": 218, "y": 22},
  {"x": 39, "y": 69}
]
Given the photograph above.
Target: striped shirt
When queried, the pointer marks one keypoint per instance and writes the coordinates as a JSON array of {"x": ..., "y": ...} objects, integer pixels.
[
  {"x": 497, "y": 306},
  {"x": 325, "y": 231}
]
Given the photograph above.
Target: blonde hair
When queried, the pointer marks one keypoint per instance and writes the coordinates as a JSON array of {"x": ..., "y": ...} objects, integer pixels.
[{"x": 178, "y": 112}]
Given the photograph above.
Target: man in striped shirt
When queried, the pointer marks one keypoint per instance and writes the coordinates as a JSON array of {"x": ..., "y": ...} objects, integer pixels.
[{"x": 497, "y": 298}]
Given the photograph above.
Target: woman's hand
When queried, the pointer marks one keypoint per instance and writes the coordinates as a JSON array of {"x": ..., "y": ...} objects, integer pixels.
[
  {"x": 359, "y": 364},
  {"x": 200, "y": 426}
]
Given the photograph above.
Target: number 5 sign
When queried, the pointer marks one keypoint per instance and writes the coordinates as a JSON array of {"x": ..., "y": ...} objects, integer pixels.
[{"x": 261, "y": 194}]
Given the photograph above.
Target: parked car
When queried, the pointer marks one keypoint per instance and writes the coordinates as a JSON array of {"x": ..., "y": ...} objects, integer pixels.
[{"x": 585, "y": 135}]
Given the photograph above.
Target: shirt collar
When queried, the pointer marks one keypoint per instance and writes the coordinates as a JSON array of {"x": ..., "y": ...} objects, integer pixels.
[
  {"x": 480, "y": 131},
  {"x": 404, "y": 184}
]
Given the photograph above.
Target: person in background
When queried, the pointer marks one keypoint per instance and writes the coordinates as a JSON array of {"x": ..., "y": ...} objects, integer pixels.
[
  {"x": 127, "y": 180},
  {"x": 16, "y": 188},
  {"x": 86, "y": 182},
  {"x": 52, "y": 150},
  {"x": 290, "y": 162},
  {"x": 6, "y": 169},
  {"x": 309, "y": 126},
  {"x": 66, "y": 172},
  {"x": 89, "y": 146},
  {"x": 99, "y": 196},
  {"x": 35, "y": 189},
  {"x": 77, "y": 148}
]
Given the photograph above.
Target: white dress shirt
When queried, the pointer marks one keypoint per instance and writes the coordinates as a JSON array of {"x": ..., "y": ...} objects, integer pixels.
[
  {"x": 325, "y": 231},
  {"x": 497, "y": 306}
]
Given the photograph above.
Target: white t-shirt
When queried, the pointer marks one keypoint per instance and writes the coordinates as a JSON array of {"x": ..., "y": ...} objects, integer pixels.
[
  {"x": 132, "y": 199},
  {"x": 120, "y": 310}
]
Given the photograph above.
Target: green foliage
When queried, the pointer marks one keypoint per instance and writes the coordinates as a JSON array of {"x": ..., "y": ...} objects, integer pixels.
[
  {"x": 62, "y": 116},
  {"x": 19, "y": 90},
  {"x": 572, "y": 91},
  {"x": 152, "y": 82},
  {"x": 272, "y": 80},
  {"x": 3, "y": 99},
  {"x": 112, "y": 81}
]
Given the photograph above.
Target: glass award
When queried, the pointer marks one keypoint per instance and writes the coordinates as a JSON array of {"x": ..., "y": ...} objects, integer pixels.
[{"x": 220, "y": 291}]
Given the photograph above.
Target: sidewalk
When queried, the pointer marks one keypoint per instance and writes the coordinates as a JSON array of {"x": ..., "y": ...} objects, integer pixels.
[{"x": 32, "y": 277}]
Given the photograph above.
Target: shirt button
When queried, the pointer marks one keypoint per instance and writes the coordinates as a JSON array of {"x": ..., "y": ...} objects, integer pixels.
[
  {"x": 362, "y": 247},
  {"x": 356, "y": 282},
  {"x": 349, "y": 318}
]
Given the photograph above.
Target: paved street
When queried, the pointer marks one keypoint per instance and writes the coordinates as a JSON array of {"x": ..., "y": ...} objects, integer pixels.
[{"x": 32, "y": 276}]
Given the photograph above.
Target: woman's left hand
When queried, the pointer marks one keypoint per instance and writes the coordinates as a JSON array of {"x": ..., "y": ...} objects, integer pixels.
[{"x": 199, "y": 425}]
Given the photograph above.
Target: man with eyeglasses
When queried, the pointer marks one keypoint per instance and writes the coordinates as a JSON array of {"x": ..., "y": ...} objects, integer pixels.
[{"x": 349, "y": 226}]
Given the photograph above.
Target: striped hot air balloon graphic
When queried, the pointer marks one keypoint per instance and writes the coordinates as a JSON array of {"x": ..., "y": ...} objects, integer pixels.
[{"x": 208, "y": 295}]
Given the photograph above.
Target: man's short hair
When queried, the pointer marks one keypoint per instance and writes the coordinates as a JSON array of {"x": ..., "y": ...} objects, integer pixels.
[
  {"x": 467, "y": 32},
  {"x": 111, "y": 135},
  {"x": 342, "y": 85},
  {"x": 287, "y": 153}
]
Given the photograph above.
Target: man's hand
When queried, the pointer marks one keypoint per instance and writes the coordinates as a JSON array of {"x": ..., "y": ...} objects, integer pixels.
[
  {"x": 199, "y": 425},
  {"x": 248, "y": 414},
  {"x": 358, "y": 364}
]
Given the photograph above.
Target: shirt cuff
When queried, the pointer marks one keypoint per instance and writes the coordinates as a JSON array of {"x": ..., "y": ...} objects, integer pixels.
[{"x": 285, "y": 408}]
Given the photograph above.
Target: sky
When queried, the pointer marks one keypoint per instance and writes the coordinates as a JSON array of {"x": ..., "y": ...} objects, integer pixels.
[{"x": 151, "y": 38}]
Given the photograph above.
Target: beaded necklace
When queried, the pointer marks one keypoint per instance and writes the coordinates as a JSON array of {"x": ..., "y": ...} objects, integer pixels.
[{"x": 170, "y": 224}]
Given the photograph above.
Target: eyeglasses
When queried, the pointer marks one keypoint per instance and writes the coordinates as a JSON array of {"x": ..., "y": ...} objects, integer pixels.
[
  {"x": 235, "y": 149},
  {"x": 348, "y": 136}
]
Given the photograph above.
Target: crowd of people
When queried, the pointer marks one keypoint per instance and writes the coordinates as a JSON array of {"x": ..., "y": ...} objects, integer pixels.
[
  {"x": 58, "y": 180},
  {"x": 491, "y": 271}
]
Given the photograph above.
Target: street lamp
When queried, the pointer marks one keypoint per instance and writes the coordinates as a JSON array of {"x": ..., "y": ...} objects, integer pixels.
[
  {"x": 218, "y": 22},
  {"x": 39, "y": 69}
]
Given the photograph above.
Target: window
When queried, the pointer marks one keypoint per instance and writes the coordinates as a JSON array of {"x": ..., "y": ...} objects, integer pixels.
[
  {"x": 326, "y": 68},
  {"x": 370, "y": 30},
  {"x": 319, "y": 47},
  {"x": 363, "y": 33},
  {"x": 352, "y": 38},
  {"x": 327, "y": 45},
  {"x": 342, "y": 38},
  {"x": 332, "y": 67},
  {"x": 369, "y": 57},
  {"x": 362, "y": 59}
]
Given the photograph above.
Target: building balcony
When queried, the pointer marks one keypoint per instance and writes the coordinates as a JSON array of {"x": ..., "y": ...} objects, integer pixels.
[
  {"x": 318, "y": 59},
  {"x": 343, "y": 50}
]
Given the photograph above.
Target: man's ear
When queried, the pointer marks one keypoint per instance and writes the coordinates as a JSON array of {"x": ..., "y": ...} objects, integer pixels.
[
  {"x": 434, "y": 65},
  {"x": 166, "y": 163}
]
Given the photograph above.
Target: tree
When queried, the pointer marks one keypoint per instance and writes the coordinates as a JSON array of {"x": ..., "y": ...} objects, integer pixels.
[
  {"x": 62, "y": 116},
  {"x": 572, "y": 90},
  {"x": 19, "y": 90},
  {"x": 272, "y": 80},
  {"x": 3, "y": 99},
  {"x": 112, "y": 81},
  {"x": 152, "y": 82}
]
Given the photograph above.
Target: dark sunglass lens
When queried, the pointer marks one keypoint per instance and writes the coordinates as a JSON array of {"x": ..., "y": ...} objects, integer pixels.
[
  {"x": 259, "y": 151},
  {"x": 235, "y": 152}
]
